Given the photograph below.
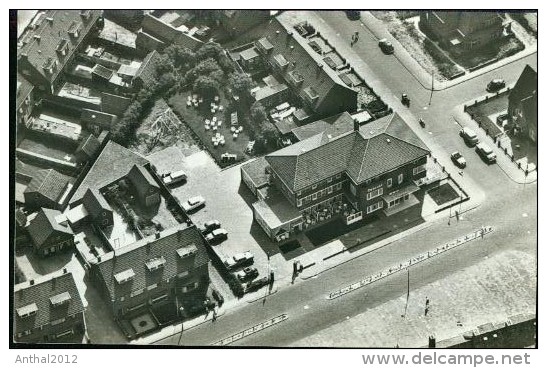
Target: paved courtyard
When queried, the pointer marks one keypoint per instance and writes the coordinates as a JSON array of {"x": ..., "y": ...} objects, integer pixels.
[{"x": 490, "y": 291}]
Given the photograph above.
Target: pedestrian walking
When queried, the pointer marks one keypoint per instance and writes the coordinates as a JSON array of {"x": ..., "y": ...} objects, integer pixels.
[
  {"x": 426, "y": 311},
  {"x": 214, "y": 316},
  {"x": 426, "y": 302}
]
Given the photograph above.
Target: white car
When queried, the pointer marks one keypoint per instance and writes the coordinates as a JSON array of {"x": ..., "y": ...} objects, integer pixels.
[
  {"x": 174, "y": 177},
  {"x": 239, "y": 260},
  {"x": 193, "y": 203}
]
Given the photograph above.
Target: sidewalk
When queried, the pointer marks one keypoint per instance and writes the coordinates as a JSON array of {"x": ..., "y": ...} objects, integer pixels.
[
  {"x": 379, "y": 30},
  {"x": 502, "y": 160}
]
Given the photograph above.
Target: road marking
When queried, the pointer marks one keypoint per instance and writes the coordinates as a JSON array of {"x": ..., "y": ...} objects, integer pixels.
[
  {"x": 430, "y": 132},
  {"x": 528, "y": 231},
  {"x": 524, "y": 214},
  {"x": 425, "y": 107},
  {"x": 306, "y": 307},
  {"x": 251, "y": 330},
  {"x": 477, "y": 234}
]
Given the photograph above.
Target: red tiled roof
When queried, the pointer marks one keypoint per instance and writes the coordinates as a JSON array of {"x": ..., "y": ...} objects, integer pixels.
[
  {"x": 42, "y": 42},
  {"x": 45, "y": 224},
  {"x": 378, "y": 147},
  {"x": 50, "y": 286},
  {"x": 134, "y": 257}
]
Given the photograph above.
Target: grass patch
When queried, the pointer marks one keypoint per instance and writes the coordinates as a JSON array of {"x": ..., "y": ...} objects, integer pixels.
[
  {"x": 443, "y": 194},
  {"x": 493, "y": 50}
]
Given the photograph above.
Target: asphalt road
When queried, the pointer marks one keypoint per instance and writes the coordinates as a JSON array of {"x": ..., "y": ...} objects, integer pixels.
[{"x": 511, "y": 208}]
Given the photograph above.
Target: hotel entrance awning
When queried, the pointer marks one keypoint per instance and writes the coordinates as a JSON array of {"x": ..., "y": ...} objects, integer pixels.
[{"x": 409, "y": 189}]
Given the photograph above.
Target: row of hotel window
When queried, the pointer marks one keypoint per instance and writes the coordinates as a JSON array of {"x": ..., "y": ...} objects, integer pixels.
[
  {"x": 319, "y": 194},
  {"x": 309, "y": 198}
]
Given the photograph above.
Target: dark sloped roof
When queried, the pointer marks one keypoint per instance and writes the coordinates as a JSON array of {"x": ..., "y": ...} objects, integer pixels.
[
  {"x": 45, "y": 224},
  {"x": 378, "y": 147},
  {"x": 40, "y": 294},
  {"x": 49, "y": 183},
  {"x": 141, "y": 179},
  {"x": 90, "y": 146},
  {"x": 134, "y": 257},
  {"x": 95, "y": 203},
  {"x": 302, "y": 58},
  {"x": 256, "y": 170},
  {"x": 147, "y": 70},
  {"x": 42, "y": 42},
  {"x": 526, "y": 85},
  {"x": 113, "y": 163},
  {"x": 103, "y": 71}
]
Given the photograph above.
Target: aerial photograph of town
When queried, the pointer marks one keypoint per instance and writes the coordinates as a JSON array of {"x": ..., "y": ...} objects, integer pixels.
[{"x": 274, "y": 178}]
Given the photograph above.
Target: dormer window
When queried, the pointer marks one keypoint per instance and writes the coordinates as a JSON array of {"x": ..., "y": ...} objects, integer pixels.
[
  {"x": 62, "y": 47},
  {"x": 311, "y": 94},
  {"x": 60, "y": 299},
  {"x": 296, "y": 77},
  {"x": 50, "y": 65},
  {"x": 74, "y": 29},
  {"x": 124, "y": 276},
  {"x": 280, "y": 61},
  {"x": 27, "y": 310},
  {"x": 187, "y": 251},
  {"x": 155, "y": 263}
]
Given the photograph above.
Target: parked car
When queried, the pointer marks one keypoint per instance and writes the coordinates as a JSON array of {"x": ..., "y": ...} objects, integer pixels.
[
  {"x": 353, "y": 14},
  {"x": 238, "y": 260},
  {"x": 257, "y": 284},
  {"x": 469, "y": 136},
  {"x": 386, "y": 46},
  {"x": 486, "y": 152},
  {"x": 248, "y": 273},
  {"x": 217, "y": 236},
  {"x": 174, "y": 177},
  {"x": 458, "y": 159},
  {"x": 209, "y": 226},
  {"x": 495, "y": 85},
  {"x": 193, "y": 203}
]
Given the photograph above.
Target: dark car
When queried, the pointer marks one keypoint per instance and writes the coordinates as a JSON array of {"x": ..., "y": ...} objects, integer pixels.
[
  {"x": 458, "y": 159},
  {"x": 246, "y": 274},
  {"x": 210, "y": 226},
  {"x": 469, "y": 136},
  {"x": 353, "y": 14},
  {"x": 217, "y": 236},
  {"x": 386, "y": 46},
  {"x": 257, "y": 284},
  {"x": 495, "y": 85}
]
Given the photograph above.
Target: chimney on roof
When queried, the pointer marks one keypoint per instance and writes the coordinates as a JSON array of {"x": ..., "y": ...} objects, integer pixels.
[
  {"x": 356, "y": 125},
  {"x": 53, "y": 282},
  {"x": 99, "y": 259},
  {"x": 64, "y": 271},
  {"x": 277, "y": 32},
  {"x": 157, "y": 234},
  {"x": 31, "y": 282}
]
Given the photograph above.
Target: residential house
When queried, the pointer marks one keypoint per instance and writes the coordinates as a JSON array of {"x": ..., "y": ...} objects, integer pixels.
[
  {"x": 98, "y": 208},
  {"x": 50, "y": 232},
  {"x": 255, "y": 174},
  {"x": 113, "y": 163},
  {"x": 523, "y": 104},
  {"x": 292, "y": 59},
  {"x": 47, "y": 188},
  {"x": 236, "y": 22},
  {"x": 48, "y": 310},
  {"x": 44, "y": 51},
  {"x": 97, "y": 121},
  {"x": 166, "y": 27},
  {"x": 24, "y": 99},
  {"x": 168, "y": 268},
  {"x": 146, "y": 188},
  {"x": 464, "y": 30},
  {"x": 369, "y": 170}
]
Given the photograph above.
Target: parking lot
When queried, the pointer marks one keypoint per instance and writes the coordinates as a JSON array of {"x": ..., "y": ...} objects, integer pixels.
[{"x": 221, "y": 191}]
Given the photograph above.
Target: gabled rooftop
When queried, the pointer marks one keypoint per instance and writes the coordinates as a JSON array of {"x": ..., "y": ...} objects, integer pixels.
[
  {"x": 152, "y": 260},
  {"x": 49, "y": 183},
  {"x": 378, "y": 147},
  {"x": 50, "y": 298}
]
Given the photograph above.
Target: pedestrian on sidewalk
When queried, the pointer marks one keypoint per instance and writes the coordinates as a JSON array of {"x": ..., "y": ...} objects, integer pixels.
[
  {"x": 356, "y": 35},
  {"x": 214, "y": 316}
]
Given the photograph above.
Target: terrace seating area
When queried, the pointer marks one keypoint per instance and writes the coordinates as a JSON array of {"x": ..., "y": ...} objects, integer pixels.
[{"x": 323, "y": 212}]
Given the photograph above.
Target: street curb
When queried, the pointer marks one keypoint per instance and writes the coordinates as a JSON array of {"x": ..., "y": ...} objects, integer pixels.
[
  {"x": 177, "y": 326},
  {"x": 264, "y": 296},
  {"x": 454, "y": 82}
]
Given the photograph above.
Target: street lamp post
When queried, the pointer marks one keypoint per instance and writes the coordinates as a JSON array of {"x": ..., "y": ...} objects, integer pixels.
[
  {"x": 181, "y": 310},
  {"x": 432, "y": 79}
]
